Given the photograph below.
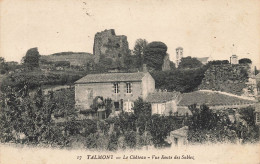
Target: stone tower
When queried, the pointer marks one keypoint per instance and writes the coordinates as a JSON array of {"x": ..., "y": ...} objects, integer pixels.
[
  {"x": 110, "y": 45},
  {"x": 234, "y": 59},
  {"x": 179, "y": 55}
]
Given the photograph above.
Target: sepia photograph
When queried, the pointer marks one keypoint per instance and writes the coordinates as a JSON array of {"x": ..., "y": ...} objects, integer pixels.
[{"x": 129, "y": 81}]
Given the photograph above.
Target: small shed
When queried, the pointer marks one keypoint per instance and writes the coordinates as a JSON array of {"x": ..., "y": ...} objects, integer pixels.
[
  {"x": 163, "y": 103},
  {"x": 179, "y": 136}
]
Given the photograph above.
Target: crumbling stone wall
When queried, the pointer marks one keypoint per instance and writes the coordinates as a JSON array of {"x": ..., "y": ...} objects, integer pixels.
[
  {"x": 227, "y": 78},
  {"x": 108, "y": 44}
]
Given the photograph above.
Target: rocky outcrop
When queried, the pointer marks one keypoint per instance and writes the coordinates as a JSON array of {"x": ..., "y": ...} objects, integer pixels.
[
  {"x": 166, "y": 63},
  {"x": 109, "y": 45},
  {"x": 227, "y": 78}
]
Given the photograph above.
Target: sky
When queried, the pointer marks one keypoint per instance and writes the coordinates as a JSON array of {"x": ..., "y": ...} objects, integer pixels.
[{"x": 216, "y": 28}]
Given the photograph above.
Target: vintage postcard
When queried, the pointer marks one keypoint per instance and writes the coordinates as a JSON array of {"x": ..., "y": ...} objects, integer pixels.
[{"x": 121, "y": 81}]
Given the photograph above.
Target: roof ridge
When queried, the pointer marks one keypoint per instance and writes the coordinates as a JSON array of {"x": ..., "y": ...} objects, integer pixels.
[{"x": 228, "y": 94}]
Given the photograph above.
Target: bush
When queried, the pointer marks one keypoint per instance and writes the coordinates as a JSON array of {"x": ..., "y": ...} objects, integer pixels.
[{"x": 154, "y": 54}]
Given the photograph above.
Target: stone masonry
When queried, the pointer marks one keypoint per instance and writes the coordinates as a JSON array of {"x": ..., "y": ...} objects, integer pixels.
[
  {"x": 110, "y": 45},
  {"x": 227, "y": 78}
]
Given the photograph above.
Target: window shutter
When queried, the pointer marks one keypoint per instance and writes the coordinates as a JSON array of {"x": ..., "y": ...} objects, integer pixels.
[
  {"x": 113, "y": 87},
  {"x": 125, "y": 88}
]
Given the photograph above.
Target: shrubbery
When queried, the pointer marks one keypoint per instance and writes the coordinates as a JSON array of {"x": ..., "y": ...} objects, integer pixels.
[
  {"x": 38, "y": 78},
  {"x": 208, "y": 126},
  {"x": 182, "y": 80}
]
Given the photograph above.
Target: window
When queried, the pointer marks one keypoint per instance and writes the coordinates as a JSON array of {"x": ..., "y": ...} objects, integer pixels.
[
  {"x": 175, "y": 141},
  {"x": 116, "y": 104},
  {"x": 90, "y": 93},
  {"x": 128, "y": 88},
  {"x": 116, "y": 87},
  {"x": 128, "y": 105},
  {"x": 257, "y": 117}
]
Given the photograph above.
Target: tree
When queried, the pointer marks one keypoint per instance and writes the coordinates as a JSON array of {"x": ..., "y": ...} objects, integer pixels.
[
  {"x": 139, "y": 48},
  {"x": 26, "y": 116},
  {"x": 172, "y": 65},
  {"x": 3, "y": 66},
  {"x": 2, "y": 60},
  {"x": 218, "y": 62},
  {"x": 141, "y": 107},
  {"x": 245, "y": 61},
  {"x": 130, "y": 139},
  {"x": 189, "y": 62},
  {"x": 154, "y": 54},
  {"x": 248, "y": 114},
  {"x": 182, "y": 80},
  {"x": 31, "y": 59},
  {"x": 208, "y": 126},
  {"x": 159, "y": 127}
]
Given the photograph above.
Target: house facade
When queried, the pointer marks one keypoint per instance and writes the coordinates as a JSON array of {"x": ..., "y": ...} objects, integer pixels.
[
  {"x": 122, "y": 88},
  {"x": 163, "y": 103},
  {"x": 257, "y": 114}
]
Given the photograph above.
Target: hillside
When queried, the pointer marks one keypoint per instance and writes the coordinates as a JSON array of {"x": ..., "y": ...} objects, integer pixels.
[
  {"x": 228, "y": 78},
  {"x": 75, "y": 58}
]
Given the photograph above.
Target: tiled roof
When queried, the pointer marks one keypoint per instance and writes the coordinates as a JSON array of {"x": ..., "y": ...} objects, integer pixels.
[
  {"x": 111, "y": 77},
  {"x": 203, "y": 59},
  {"x": 181, "y": 132},
  {"x": 212, "y": 98},
  {"x": 179, "y": 48},
  {"x": 160, "y": 97}
]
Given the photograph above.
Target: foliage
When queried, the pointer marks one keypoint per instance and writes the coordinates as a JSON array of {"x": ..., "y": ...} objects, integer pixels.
[
  {"x": 31, "y": 59},
  {"x": 218, "y": 62},
  {"x": 172, "y": 65},
  {"x": 183, "y": 80},
  {"x": 160, "y": 127},
  {"x": 142, "y": 111},
  {"x": 139, "y": 48},
  {"x": 113, "y": 142},
  {"x": 189, "y": 62},
  {"x": 62, "y": 64},
  {"x": 124, "y": 122},
  {"x": 208, "y": 126},
  {"x": 89, "y": 127},
  {"x": 37, "y": 78},
  {"x": 248, "y": 114},
  {"x": 6, "y": 67},
  {"x": 91, "y": 141},
  {"x": 154, "y": 54},
  {"x": 64, "y": 103},
  {"x": 130, "y": 139},
  {"x": 245, "y": 61},
  {"x": 21, "y": 115},
  {"x": 104, "y": 64},
  {"x": 141, "y": 107}
]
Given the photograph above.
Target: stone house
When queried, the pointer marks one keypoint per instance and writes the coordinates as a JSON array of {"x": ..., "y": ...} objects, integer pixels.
[
  {"x": 178, "y": 137},
  {"x": 163, "y": 103},
  {"x": 122, "y": 88}
]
